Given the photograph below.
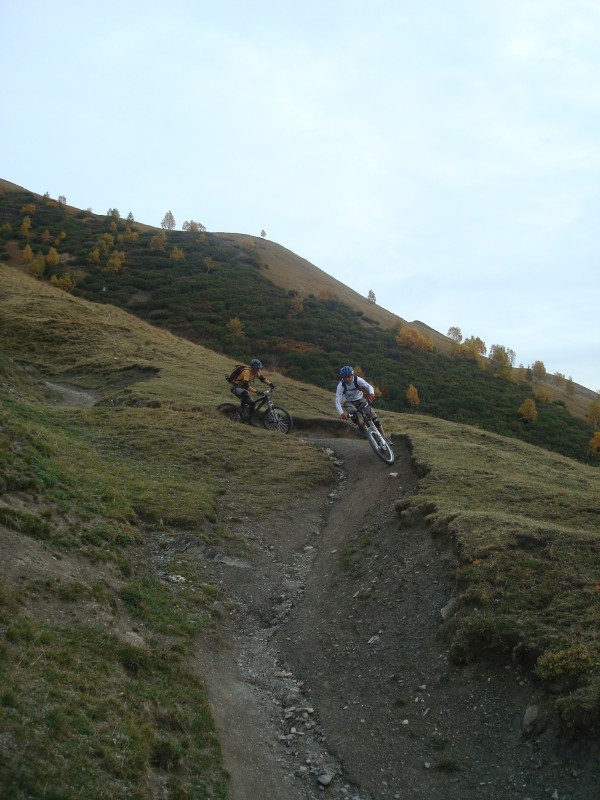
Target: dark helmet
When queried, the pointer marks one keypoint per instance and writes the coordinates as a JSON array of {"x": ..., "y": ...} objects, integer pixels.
[
  {"x": 256, "y": 364},
  {"x": 345, "y": 372}
]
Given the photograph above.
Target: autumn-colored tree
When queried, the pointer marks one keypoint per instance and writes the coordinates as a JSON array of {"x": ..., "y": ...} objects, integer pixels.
[
  {"x": 25, "y": 226},
  {"x": 115, "y": 262},
  {"x": 473, "y": 348},
  {"x": 128, "y": 236},
  {"x": 52, "y": 259},
  {"x": 28, "y": 208},
  {"x": 46, "y": 236},
  {"x": 558, "y": 378},
  {"x": 595, "y": 442},
  {"x": 26, "y": 254},
  {"x": 384, "y": 388},
  {"x": 539, "y": 370},
  {"x": 412, "y": 396},
  {"x": 543, "y": 396},
  {"x": 38, "y": 266},
  {"x": 114, "y": 214},
  {"x": 501, "y": 361},
  {"x": 94, "y": 256},
  {"x": 130, "y": 217},
  {"x": 235, "y": 328},
  {"x": 411, "y": 338},
  {"x": 62, "y": 200},
  {"x": 326, "y": 293},
  {"x": 521, "y": 373},
  {"x": 168, "y": 222},
  {"x": 297, "y": 304},
  {"x": 455, "y": 334},
  {"x": 209, "y": 264},
  {"x": 60, "y": 238},
  {"x": 177, "y": 254},
  {"x": 159, "y": 241},
  {"x": 64, "y": 282},
  {"x": 528, "y": 410},
  {"x": 371, "y": 296},
  {"x": 593, "y": 414},
  {"x": 570, "y": 386}
]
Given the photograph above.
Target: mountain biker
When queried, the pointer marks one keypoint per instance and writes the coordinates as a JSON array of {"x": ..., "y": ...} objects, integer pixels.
[
  {"x": 242, "y": 385},
  {"x": 349, "y": 397}
]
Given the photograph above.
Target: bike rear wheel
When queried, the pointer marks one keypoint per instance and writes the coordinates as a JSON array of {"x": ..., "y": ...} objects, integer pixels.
[
  {"x": 380, "y": 446},
  {"x": 276, "y": 418},
  {"x": 230, "y": 410}
]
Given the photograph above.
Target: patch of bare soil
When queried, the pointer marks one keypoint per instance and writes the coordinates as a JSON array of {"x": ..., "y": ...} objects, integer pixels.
[{"x": 333, "y": 677}]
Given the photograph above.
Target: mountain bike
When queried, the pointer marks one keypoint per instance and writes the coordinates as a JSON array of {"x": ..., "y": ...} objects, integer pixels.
[
  {"x": 275, "y": 418},
  {"x": 381, "y": 446}
]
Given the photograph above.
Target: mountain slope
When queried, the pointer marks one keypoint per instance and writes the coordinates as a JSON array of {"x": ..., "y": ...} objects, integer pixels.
[
  {"x": 244, "y": 297},
  {"x": 141, "y": 536}
]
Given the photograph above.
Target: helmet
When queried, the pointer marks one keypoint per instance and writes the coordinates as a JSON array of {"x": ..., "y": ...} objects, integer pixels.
[
  {"x": 345, "y": 372},
  {"x": 256, "y": 364}
]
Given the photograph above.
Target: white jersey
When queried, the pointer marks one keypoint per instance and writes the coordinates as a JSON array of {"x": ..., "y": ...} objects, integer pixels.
[{"x": 352, "y": 393}]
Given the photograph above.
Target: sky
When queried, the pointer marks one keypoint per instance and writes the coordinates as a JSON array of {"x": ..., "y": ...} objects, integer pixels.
[{"x": 444, "y": 154}]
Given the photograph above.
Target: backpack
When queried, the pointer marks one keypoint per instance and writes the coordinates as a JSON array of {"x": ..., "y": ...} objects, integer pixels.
[
  {"x": 356, "y": 386},
  {"x": 239, "y": 368}
]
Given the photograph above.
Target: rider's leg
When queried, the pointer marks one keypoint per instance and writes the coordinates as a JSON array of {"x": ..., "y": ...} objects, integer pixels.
[
  {"x": 244, "y": 396},
  {"x": 370, "y": 413},
  {"x": 351, "y": 410}
]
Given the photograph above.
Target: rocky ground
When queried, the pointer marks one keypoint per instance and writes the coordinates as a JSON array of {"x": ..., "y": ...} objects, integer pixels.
[{"x": 333, "y": 677}]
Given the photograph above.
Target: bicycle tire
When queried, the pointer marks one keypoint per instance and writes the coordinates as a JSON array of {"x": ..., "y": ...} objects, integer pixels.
[
  {"x": 230, "y": 411},
  {"x": 278, "y": 419},
  {"x": 380, "y": 447}
]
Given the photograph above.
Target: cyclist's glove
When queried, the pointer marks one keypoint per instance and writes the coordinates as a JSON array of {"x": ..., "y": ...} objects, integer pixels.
[
  {"x": 344, "y": 416},
  {"x": 371, "y": 398}
]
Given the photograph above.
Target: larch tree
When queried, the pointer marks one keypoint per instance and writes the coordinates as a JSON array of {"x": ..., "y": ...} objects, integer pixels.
[
  {"x": 168, "y": 222},
  {"x": 25, "y": 226},
  {"x": 539, "y": 370},
  {"x": 528, "y": 410},
  {"x": 455, "y": 334},
  {"x": 595, "y": 442},
  {"x": 235, "y": 328},
  {"x": 26, "y": 254},
  {"x": 593, "y": 414},
  {"x": 115, "y": 262},
  {"x": 158, "y": 242},
  {"x": 371, "y": 296},
  {"x": 412, "y": 396},
  {"x": 52, "y": 259}
]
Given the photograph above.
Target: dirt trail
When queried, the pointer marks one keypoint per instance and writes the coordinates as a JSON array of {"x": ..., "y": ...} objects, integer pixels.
[{"x": 333, "y": 677}]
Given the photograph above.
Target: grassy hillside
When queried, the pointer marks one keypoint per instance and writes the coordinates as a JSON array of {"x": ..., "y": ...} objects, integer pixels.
[
  {"x": 197, "y": 285},
  {"x": 99, "y": 694}
]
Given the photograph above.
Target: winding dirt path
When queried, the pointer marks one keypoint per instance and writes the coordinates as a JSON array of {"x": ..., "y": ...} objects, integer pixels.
[{"x": 333, "y": 677}]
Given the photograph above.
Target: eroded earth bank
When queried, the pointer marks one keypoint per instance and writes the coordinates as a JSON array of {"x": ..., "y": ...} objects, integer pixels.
[{"x": 333, "y": 677}]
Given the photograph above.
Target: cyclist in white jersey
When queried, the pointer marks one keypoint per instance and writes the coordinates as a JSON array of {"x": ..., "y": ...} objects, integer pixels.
[{"x": 350, "y": 395}]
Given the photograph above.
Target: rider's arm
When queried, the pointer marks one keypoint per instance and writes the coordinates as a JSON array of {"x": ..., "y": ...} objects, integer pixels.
[
  {"x": 339, "y": 395},
  {"x": 365, "y": 387},
  {"x": 262, "y": 379}
]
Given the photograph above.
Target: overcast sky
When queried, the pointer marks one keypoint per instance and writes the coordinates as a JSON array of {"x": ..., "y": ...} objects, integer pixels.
[{"x": 443, "y": 153}]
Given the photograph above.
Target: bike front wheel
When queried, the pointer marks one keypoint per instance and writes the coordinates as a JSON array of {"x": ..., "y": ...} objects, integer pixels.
[
  {"x": 380, "y": 446},
  {"x": 277, "y": 418}
]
